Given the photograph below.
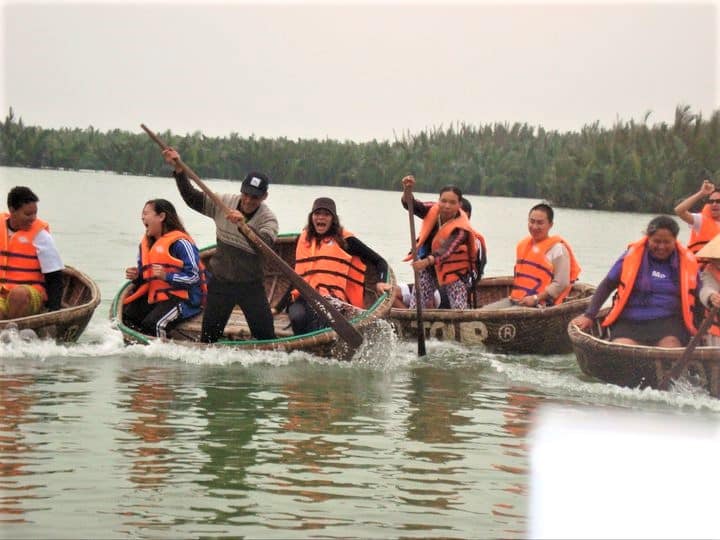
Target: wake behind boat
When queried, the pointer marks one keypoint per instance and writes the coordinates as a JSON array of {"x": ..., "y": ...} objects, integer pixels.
[
  {"x": 640, "y": 366},
  {"x": 80, "y": 297},
  {"x": 324, "y": 342},
  {"x": 514, "y": 330}
]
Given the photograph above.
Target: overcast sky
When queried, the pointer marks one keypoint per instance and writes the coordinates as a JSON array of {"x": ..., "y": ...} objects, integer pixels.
[{"x": 355, "y": 71}]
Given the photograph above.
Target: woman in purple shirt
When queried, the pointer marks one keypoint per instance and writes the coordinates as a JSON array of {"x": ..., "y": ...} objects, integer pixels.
[{"x": 655, "y": 279}]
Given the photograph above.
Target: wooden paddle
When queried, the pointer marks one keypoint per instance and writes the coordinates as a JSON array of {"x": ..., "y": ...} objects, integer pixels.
[
  {"x": 679, "y": 369},
  {"x": 346, "y": 331},
  {"x": 413, "y": 246}
]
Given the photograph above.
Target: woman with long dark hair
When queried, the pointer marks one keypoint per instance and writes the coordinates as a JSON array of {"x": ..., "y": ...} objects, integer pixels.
[{"x": 168, "y": 278}]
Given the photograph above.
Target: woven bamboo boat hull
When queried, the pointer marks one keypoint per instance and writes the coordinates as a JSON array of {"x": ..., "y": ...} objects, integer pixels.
[
  {"x": 513, "y": 331},
  {"x": 81, "y": 296},
  {"x": 639, "y": 366},
  {"x": 237, "y": 335}
]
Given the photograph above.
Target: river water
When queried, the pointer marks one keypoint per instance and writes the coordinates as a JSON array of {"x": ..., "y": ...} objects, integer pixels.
[{"x": 102, "y": 440}]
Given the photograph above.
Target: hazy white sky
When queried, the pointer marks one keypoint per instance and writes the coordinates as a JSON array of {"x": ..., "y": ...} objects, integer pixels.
[{"x": 354, "y": 71}]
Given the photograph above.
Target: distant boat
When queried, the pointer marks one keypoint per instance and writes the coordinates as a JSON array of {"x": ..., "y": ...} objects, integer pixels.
[
  {"x": 512, "y": 331},
  {"x": 81, "y": 296},
  {"x": 324, "y": 342},
  {"x": 640, "y": 366}
]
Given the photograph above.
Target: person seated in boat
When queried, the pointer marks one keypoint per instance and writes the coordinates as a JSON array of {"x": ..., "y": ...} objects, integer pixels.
[
  {"x": 169, "y": 278},
  {"x": 31, "y": 275},
  {"x": 481, "y": 259},
  {"x": 446, "y": 248},
  {"x": 236, "y": 269},
  {"x": 709, "y": 294},
  {"x": 704, "y": 225},
  {"x": 403, "y": 297},
  {"x": 656, "y": 280},
  {"x": 333, "y": 260},
  {"x": 545, "y": 266}
]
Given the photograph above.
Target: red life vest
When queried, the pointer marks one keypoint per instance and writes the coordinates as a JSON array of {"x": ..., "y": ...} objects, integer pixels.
[
  {"x": 631, "y": 267},
  {"x": 330, "y": 270},
  {"x": 533, "y": 272},
  {"x": 19, "y": 263},
  {"x": 158, "y": 290},
  {"x": 464, "y": 259},
  {"x": 708, "y": 229}
]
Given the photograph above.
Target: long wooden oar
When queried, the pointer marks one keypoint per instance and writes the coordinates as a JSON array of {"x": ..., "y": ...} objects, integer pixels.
[
  {"x": 346, "y": 331},
  {"x": 679, "y": 369},
  {"x": 413, "y": 246}
]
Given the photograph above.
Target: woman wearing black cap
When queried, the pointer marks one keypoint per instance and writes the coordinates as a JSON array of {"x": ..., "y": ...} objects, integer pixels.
[{"x": 333, "y": 261}]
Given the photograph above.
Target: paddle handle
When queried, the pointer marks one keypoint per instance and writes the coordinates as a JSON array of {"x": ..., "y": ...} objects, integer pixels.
[
  {"x": 413, "y": 246},
  {"x": 191, "y": 174},
  {"x": 679, "y": 368}
]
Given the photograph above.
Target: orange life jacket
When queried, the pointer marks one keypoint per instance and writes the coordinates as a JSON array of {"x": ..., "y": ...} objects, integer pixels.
[
  {"x": 481, "y": 258},
  {"x": 159, "y": 290},
  {"x": 464, "y": 259},
  {"x": 330, "y": 269},
  {"x": 19, "y": 263},
  {"x": 631, "y": 267},
  {"x": 715, "y": 328},
  {"x": 708, "y": 229},
  {"x": 533, "y": 272}
]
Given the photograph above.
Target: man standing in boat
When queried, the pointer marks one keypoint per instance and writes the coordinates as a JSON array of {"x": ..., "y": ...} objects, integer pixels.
[
  {"x": 545, "y": 266},
  {"x": 704, "y": 226},
  {"x": 30, "y": 265},
  {"x": 236, "y": 268}
]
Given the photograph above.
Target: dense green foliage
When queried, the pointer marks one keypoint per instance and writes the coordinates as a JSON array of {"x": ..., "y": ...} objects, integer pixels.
[{"x": 630, "y": 167}]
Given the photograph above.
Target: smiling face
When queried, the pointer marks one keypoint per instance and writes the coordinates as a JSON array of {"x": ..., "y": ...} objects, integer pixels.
[
  {"x": 449, "y": 204},
  {"x": 21, "y": 219},
  {"x": 714, "y": 202},
  {"x": 539, "y": 225},
  {"x": 661, "y": 244},
  {"x": 322, "y": 221},
  {"x": 153, "y": 221}
]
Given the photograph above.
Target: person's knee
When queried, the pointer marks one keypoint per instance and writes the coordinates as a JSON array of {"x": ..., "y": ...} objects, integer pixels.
[
  {"x": 298, "y": 317},
  {"x": 670, "y": 341},
  {"x": 19, "y": 302}
]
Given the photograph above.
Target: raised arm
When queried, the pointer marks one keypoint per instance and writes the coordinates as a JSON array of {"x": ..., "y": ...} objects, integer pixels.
[{"x": 683, "y": 209}]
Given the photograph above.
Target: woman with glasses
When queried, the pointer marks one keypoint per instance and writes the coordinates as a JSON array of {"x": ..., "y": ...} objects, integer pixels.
[
  {"x": 706, "y": 224},
  {"x": 656, "y": 279}
]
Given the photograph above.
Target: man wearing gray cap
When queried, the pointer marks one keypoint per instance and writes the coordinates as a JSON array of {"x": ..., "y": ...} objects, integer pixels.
[{"x": 236, "y": 268}]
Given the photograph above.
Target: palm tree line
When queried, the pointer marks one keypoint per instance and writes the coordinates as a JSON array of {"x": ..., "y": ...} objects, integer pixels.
[{"x": 633, "y": 166}]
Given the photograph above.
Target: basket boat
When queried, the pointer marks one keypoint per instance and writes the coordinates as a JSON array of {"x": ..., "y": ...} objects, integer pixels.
[
  {"x": 80, "y": 297},
  {"x": 324, "y": 342},
  {"x": 640, "y": 366},
  {"x": 513, "y": 330}
]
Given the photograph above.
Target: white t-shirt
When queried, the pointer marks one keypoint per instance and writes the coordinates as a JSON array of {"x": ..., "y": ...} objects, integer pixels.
[
  {"x": 697, "y": 222},
  {"x": 48, "y": 255}
]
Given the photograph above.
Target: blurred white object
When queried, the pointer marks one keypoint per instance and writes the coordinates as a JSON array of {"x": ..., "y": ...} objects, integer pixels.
[
  {"x": 9, "y": 333},
  {"x": 599, "y": 473},
  {"x": 27, "y": 334}
]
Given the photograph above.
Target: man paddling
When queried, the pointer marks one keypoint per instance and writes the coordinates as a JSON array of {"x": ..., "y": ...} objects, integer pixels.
[{"x": 236, "y": 268}]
